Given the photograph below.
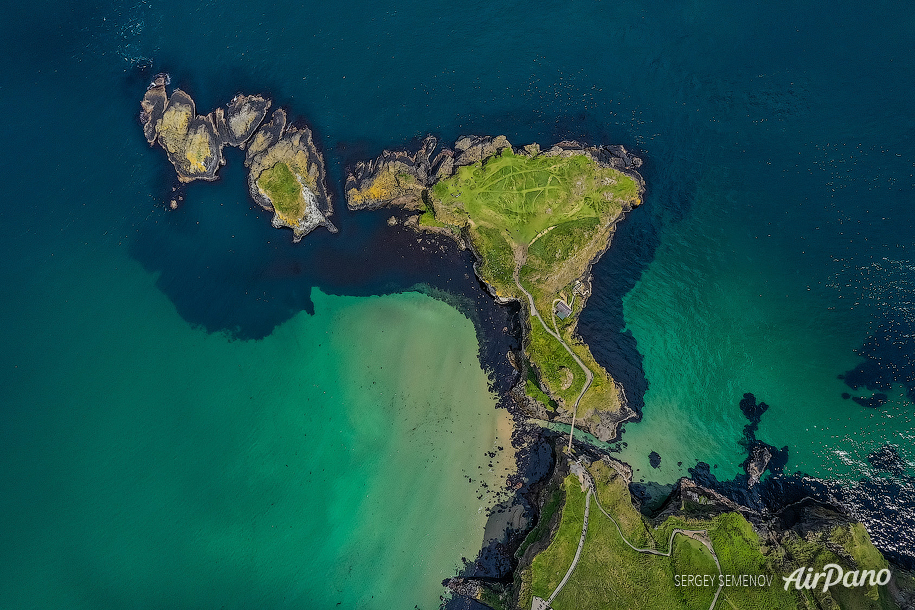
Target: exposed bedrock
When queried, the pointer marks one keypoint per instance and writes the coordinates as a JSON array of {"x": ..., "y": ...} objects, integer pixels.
[
  {"x": 396, "y": 178},
  {"x": 193, "y": 142},
  {"x": 760, "y": 454},
  {"x": 153, "y": 106},
  {"x": 243, "y": 115},
  {"x": 401, "y": 179},
  {"x": 286, "y": 175},
  {"x": 286, "y": 170}
]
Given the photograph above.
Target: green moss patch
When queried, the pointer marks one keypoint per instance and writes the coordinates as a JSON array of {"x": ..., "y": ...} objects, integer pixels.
[{"x": 284, "y": 190}]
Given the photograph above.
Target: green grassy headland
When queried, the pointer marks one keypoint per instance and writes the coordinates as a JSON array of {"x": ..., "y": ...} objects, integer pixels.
[
  {"x": 611, "y": 575},
  {"x": 549, "y": 217}
]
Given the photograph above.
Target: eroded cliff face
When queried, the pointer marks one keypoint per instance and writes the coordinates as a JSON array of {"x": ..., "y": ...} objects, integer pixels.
[
  {"x": 397, "y": 178},
  {"x": 286, "y": 170}
]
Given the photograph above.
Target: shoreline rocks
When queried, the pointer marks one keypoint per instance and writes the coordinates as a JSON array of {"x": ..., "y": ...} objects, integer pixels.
[
  {"x": 395, "y": 178},
  {"x": 298, "y": 196},
  {"x": 278, "y": 144}
]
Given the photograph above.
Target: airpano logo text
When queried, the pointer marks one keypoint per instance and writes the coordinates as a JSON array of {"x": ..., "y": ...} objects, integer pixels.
[{"x": 832, "y": 575}]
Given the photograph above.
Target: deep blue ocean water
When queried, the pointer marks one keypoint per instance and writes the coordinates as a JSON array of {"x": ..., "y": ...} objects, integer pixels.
[{"x": 773, "y": 252}]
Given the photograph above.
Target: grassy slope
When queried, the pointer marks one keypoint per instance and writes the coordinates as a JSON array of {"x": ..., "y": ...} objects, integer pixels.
[
  {"x": 284, "y": 191},
  {"x": 555, "y": 213},
  {"x": 526, "y": 195},
  {"x": 611, "y": 575}
]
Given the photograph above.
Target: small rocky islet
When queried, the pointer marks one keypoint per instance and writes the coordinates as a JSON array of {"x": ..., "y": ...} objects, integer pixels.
[{"x": 286, "y": 171}]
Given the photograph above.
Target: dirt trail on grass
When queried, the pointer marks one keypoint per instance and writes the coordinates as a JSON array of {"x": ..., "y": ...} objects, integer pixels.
[
  {"x": 589, "y": 376},
  {"x": 697, "y": 535}
]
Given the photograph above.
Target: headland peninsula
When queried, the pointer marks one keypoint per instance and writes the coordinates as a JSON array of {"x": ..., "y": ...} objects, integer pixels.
[{"x": 536, "y": 220}]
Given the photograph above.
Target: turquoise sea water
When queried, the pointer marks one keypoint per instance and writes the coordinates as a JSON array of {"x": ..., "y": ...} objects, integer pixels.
[
  {"x": 137, "y": 471},
  {"x": 785, "y": 265},
  {"x": 156, "y": 465}
]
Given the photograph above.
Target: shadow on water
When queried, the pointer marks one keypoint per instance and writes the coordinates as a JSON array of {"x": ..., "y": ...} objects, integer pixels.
[
  {"x": 889, "y": 359},
  {"x": 226, "y": 270},
  {"x": 602, "y": 324}
]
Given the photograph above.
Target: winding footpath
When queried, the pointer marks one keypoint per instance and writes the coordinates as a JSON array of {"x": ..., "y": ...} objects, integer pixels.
[
  {"x": 589, "y": 376},
  {"x": 697, "y": 535},
  {"x": 581, "y": 545}
]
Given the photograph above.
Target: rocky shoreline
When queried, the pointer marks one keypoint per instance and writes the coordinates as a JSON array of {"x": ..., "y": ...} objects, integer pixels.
[
  {"x": 286, "y": 171},
  {"x": 403, "y": 180}
]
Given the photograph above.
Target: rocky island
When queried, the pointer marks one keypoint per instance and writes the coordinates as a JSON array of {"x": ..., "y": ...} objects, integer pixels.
[
  {"x": 286, "y": 173},
  {"x": 537, "y": 220}
]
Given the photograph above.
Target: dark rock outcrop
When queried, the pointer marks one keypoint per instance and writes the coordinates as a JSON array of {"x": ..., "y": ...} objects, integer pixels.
[
  {"x": 242, "y": 117},
  {"x": 471, "y": 149},
  {"x": 396, "y": 178},
  {"x": 192, "y": 142},
  {"x": 153, "y": 106},
  {"x": 756, "y": 464}
]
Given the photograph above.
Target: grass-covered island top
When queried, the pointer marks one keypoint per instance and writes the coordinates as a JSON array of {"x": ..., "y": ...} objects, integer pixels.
[{"x": 536, "y": 220}]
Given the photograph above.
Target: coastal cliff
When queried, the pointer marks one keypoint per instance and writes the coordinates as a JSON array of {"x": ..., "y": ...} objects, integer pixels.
[
  {"x": 536, "y": 220},
  {"x": 697, "y": 531},
  {"x": 286, "y": 172}
]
